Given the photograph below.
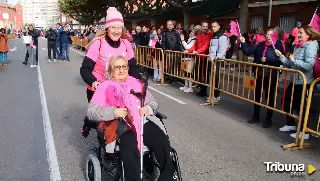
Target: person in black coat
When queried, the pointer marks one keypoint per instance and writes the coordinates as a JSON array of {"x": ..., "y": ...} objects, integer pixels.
[{"x": 264, "y": 53}]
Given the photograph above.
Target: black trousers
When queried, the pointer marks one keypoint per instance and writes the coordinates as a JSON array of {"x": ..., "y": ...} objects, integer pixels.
[
  {"x": 203, "y": 89},
  {"x": 265, "y": 83},
  {"x": 296, "y": 101},
  {"x": 52, "y": 45},
  {"x": 157, "y": 142}
]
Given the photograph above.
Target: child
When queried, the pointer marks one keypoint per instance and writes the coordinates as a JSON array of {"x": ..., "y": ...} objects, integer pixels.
[{"x": 152, "y": 43}]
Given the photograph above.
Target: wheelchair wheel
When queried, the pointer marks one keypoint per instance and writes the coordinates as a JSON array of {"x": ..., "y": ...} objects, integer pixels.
[
  {"x": 93, "y": 168},
  {"x": 176, "y": 165},
  {"x": 150, "y": 170}
]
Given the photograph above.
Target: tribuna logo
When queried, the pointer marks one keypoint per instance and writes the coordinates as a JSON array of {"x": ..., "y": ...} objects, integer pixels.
[{"x": 293, "y": 169}]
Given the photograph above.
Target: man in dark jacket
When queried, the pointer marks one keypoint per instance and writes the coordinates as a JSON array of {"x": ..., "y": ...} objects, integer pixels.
[
  {"x": 171, "y": 41},
  {"x": 51, "y": 36}
]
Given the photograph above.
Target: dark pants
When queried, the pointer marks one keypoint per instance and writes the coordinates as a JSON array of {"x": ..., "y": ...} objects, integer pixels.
[
  {"x": 296, "y": 101},
  {"x": 52, "y": 46},
  {"x": 37, "y": 53},
  {"x": 267, "y": 94},
  {"x": 89, "y": 95},
  {"x": 157, "y": 142},
  {"x": 203, "y": 68}
]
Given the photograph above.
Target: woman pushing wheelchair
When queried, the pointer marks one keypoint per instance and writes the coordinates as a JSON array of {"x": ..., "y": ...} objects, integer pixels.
[{"x": 114, "y": 99}]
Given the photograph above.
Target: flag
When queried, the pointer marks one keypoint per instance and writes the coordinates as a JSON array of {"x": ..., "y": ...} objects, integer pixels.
[
  {"x": 234, "y": 28},
  {"x": 274, "y": 38},
  {"x": 315, "y": 22}
]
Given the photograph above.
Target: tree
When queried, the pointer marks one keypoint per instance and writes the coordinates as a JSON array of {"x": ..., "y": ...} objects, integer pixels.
[
  {"x": 186, "y": 6},
  {"x": 243, "y": 15}
]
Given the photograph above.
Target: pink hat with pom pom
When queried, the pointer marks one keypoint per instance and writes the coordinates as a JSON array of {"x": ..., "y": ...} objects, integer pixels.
[{"x": 114, "y": 17}]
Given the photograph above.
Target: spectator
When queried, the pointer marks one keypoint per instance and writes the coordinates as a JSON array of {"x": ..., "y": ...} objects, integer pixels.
[
  {"x": 303, "y": 59},
  {"x": 171, "y": 41},
  {"x": 65, "y": 42},
  {"x": 218, "y": 48},
  {"x": 295, "y": 32},
  {"x": 3, "y": 47},
  {"x": 35, "y": 35},
  {"x": 59, "y": 45},
  {"x": 31, "y": 49},
  {"x": 264, "y": 54},
  {"x": 187, "y": 45},
  {"x": 259, "y": 37},
  {"x": 51, "y": 36}
]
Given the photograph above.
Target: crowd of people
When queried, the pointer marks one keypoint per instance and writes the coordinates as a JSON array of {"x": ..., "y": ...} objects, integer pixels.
[{"x": 297, "y": 50}]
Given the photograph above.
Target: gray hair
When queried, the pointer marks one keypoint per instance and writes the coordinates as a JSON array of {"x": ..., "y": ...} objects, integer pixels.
[{"x": 112, "y": 60}]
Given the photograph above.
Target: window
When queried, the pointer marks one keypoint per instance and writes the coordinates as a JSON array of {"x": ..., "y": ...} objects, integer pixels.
[
  {"x": 257, "y": 22},
  {"x": 287, "y": 22}
]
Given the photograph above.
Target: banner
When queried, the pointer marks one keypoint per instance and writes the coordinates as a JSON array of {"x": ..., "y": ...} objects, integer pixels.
[{"x": 315, "y": 22}]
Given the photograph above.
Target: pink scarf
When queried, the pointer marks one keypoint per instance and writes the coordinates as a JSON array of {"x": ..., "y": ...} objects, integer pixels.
[
  {"x": 118, "y": 94},
  {"x": 266, "y": 45},
  {"x": 299, "y": 44}
]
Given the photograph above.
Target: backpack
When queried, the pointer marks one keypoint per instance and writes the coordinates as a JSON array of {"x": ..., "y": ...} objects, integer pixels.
[{"x": 52, "y": 36}]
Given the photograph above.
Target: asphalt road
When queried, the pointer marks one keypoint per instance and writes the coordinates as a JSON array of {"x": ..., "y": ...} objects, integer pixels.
[{"x": 213, "y": 143}]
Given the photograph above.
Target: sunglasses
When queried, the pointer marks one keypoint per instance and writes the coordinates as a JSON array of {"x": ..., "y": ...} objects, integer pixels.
[{"x": 118, "y": 67}]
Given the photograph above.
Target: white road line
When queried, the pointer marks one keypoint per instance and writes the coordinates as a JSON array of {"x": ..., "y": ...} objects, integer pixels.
[
  {"x": 168, "y": 96},
  {"x": 51, "y": 150},
  {"x": 78, "y": 52}
]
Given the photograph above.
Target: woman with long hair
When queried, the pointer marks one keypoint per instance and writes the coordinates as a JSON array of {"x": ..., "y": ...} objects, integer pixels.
[
  {"x": 111, "y": 41},
  {"x": 303, "y": 59}
]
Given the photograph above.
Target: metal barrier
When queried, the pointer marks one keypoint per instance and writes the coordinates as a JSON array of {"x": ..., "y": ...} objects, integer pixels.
[
  {"x": 80, "y": 42},
  {"x": 230, "y": 83},
  {"x": 10, "y": 36},
  {"x": 305, "y": 129},
  {"x": 151, "y": 58},
  {"x": 196, "y": 68}
]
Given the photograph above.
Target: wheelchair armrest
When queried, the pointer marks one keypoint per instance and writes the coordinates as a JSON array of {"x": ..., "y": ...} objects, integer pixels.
[{"x": 161, "y": 116}]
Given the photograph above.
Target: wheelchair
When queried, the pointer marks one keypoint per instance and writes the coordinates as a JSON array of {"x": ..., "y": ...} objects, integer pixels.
[{"x": 100, "y": 163}]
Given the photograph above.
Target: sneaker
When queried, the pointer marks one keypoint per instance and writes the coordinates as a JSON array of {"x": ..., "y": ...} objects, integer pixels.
[
  {"x": 216, "y": 100},
  {"x": 188, "y": 90},
  {"x": 35, "y": 65},
  {"x": 32, "y": 66},
  {"x": 183, "y": 88},
  {"x": 287, "y": 128},
  {"x": 49, "y": 61},
  {"x": 306, "y": 136},
  {"x": 54, "y": 60}
]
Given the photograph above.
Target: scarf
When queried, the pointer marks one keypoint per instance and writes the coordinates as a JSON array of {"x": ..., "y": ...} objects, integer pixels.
[
  {"x": 266, "y": 45},
  {"x": 299, "y": 44}
]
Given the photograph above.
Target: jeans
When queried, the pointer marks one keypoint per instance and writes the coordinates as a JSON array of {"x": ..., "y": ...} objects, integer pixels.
[
  {"x": 65, "y": 51},
  {"x": 3, "y": 57},
  {"x": 59, "y": 49}
]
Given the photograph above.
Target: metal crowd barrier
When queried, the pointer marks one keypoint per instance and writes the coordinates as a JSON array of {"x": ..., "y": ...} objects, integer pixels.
[
  {"x": 301, "y": 145},
  {"x": 77, "y": 41},
  {"x": 151, "y": 58}
]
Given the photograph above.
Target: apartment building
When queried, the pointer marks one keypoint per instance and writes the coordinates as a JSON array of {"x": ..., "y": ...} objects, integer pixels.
[{"x": 41, "y": 12}]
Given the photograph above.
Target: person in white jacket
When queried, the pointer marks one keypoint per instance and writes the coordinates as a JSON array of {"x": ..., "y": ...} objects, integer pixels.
[{"x": 187, "y": 88}]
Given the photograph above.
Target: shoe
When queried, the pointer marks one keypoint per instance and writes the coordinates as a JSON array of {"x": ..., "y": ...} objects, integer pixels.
[
  {"x": 35, "y": 66},
  {"x": 287, "y": 128},
  {"x": 216, "y": 100},
  {"x": 267, "y": 124},
  {"x": 306, "y": 136},
  {"x": 188, "y": 90},
  {"x": 49, "y": 61},
  {"x": 32, "y": 66},
  {"x": 85, "y": 130},
  {"x": 5, "y": 64},
  {"x": 54, "y": 60},
  {"x": 254, "y": 120},
  {"x": 25, "y": 63},
  {"x": 183, "y": 88}
]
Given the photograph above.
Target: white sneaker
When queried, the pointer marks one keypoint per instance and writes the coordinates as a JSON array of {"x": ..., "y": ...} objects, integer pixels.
[
  {"x": 306, "y": 136},
  {"x": 54, "y": 60},
  {"x": 49, "y": 61},
  {"x": 287, "y": 128},
  {"x": 31, "y": 66},
  {"x": 183, "y": 88},
  {"x": 188, "y": 90},
  {"x": 216, "y": 100}
]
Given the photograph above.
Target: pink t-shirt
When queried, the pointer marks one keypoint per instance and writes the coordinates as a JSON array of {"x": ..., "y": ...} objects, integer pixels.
[
  {"x": 260, "y": 38},
  {"x": 295, "y": 32},
  {"x": 32, "y": 43},
  {"x": 100, "y": 52}
]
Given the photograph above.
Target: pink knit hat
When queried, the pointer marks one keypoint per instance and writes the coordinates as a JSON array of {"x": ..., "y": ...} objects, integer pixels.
[{"x": 114, "y": 17}]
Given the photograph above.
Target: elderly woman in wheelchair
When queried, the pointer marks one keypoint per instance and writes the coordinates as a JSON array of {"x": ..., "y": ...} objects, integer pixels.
[{"x": 118, "y": 113}]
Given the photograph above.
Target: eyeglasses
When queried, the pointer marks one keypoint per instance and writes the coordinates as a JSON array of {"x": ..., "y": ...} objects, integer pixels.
[
  {"x": 118, "y": 67},
  {"x": 113, "y": 28}
]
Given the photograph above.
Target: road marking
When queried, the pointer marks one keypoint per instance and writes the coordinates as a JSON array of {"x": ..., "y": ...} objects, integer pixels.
[
  {"x": 51, "y": 150},
  {"x": 168, "y": 96},
  {"x": 14, "y": 49},
  {"x": 77, "y": 51}
]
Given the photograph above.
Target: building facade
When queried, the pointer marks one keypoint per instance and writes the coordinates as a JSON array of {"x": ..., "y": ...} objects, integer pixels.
[
  {"x": 11, "y": 16},
  {"x": 40, "y": 12}
]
